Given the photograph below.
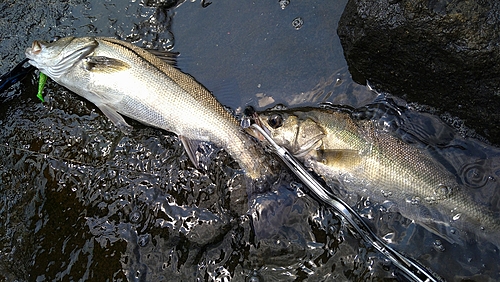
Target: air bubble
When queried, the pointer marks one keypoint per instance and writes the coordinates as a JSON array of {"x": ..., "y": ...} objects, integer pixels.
[
  {"x": 297, "y": 23},
  {"x": 255, "y": 277},
  {"x": 442, "y": 191},
  {"x": 438, "y": 246},
  {"x": 386, "y": 193},
  {"x": 143, "y": 240},
  {"x": 135, "y": 216},
  {"x": 430, "y": 200},
  {"x": 415, "y": 201},
  {"x": 284, "y": 3},
  {"x": 111, "y": 174}
]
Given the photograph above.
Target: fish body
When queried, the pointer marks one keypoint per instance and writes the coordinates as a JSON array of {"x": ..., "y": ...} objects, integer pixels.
[
  {"x": 123, "y": 79},
  {"x": 371, "y": 162}
]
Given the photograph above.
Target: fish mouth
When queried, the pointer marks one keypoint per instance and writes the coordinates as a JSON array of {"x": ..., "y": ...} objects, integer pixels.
[
  {"x": 32, "y": 52},
  {"x": 259, "y": 123},
  {"x": 297, "y": 150},
  {"x": 253, "y": 118},
  {"x": 36, "y": 48}
]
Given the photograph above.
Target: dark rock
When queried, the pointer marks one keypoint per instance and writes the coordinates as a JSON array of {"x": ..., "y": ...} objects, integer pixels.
[{"x": 443, "y": 53}]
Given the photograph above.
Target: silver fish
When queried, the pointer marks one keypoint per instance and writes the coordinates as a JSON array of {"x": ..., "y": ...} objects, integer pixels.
[
  {"x": 371, "y": 162},
  {"x": 123, "y": 79}
]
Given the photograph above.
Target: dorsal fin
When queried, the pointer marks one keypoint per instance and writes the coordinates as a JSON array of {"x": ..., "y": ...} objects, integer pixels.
[{"x": 166, "y": 56}]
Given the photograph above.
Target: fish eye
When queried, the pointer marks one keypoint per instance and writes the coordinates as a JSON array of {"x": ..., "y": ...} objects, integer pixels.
[
  {"x": 54, "y": 39},
  {"x": 275, "y": 121}
]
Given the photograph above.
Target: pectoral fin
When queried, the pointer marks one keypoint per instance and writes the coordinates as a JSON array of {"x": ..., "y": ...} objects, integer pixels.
[
  {"x": 104, "y": 64},
  {"x": 338, "y": 157},
  {"x": 116, "y": 118}
]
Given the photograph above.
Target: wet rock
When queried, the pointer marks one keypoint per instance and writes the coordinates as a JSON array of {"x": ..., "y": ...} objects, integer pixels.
[{"x": 443, "y": 53}]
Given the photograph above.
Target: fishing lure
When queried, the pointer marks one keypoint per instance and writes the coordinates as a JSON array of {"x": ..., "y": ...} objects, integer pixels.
[{"x": 41, "y": 83}]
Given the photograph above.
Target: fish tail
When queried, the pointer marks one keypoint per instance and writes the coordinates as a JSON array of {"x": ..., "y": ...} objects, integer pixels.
[{"x": 252, "y": 158}]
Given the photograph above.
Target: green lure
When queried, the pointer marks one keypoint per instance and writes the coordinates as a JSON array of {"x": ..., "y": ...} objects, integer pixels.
[{"x": 41, "y": 84}]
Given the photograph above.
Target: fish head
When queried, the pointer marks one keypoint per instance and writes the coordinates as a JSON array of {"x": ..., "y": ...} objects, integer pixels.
[
  {"x": 57, "y": 57},
  {"x": 294, "y": 130}
]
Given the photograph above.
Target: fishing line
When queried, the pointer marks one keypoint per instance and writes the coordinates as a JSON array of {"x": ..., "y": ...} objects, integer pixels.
[{"x": 410, "y": 268}]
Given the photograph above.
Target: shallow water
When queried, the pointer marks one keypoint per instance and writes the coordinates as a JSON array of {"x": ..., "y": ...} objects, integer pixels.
[{"x": 81, "y": 201}]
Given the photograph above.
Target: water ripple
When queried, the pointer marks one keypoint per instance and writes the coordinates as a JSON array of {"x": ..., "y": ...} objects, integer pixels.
[{"x": 476, "y": 174}]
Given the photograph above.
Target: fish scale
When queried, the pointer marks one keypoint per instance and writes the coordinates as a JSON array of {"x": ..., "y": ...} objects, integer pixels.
[{"x": 123, "y": 79}]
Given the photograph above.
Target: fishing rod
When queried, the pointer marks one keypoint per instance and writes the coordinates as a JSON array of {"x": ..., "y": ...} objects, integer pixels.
[
  {"x": 19, "y": 72},
  {"x": 410, "y": 268}
]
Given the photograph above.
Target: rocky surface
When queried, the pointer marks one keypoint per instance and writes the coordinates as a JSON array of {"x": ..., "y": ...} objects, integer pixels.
[{"x": 442, "y": 53}]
